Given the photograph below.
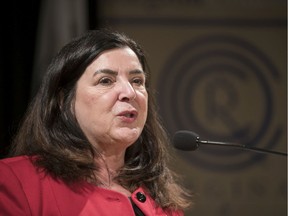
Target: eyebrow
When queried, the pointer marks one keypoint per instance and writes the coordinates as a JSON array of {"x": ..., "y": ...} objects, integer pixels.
[{"x": 115, "y": 73}]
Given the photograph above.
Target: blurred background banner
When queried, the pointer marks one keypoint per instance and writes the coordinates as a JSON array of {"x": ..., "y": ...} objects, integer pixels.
[
  {"x": 219, "y": 69},
  {"x": 59, "y": 21}
]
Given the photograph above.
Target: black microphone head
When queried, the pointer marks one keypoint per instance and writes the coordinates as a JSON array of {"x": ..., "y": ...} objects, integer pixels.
[{"x": 186, "y": 140}]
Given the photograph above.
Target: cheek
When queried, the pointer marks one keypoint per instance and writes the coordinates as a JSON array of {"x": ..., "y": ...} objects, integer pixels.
[
  {"x": 83, "y": 103},
  {"x": 93, "y": 102},
  {"x": 143, "y": 100}
]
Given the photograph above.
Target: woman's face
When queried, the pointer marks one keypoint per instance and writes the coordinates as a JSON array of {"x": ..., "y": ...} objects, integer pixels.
[{"x": 111, "y": 100}]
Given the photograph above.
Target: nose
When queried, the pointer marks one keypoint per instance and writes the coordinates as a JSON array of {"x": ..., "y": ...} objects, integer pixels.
[{"x": 126, "y": 92}]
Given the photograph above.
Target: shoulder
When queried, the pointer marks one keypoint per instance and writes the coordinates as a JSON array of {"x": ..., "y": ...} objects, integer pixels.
[
  {"x": 20, "y": 165},
  {"x": 18, "y": 160},
  {"x": 22, "y": 171},
  {"x": 13, "y": 197},
  {"x": 24, "y": 189},
  {"x": 19, "y": 170}
]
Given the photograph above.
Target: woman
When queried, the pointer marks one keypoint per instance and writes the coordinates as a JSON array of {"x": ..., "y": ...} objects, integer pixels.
[{"x": 91, "y": 142}]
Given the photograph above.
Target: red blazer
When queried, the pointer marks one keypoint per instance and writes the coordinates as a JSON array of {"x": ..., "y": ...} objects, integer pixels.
[{"x": 24, "y": 191}]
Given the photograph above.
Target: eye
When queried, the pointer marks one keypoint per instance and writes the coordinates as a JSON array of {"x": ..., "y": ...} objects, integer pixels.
[
  {"x": 139, "y": 81},
  {"x": 105, "y": 81}
]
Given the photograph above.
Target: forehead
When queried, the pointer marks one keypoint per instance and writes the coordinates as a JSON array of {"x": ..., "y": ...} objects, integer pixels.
[
  {"x": 117, "y": 60},
  {"x": 119, "y": 56}
]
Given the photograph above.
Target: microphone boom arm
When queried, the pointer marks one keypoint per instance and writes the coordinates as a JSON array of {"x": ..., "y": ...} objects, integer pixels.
[{"x": 259, "y": 150}]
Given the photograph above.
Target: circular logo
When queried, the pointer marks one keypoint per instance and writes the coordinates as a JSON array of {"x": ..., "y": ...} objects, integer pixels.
[{"x": 220, "y": 87}]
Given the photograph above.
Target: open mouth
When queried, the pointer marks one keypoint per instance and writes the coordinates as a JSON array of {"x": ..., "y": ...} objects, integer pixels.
[{"x": 129, "y": 114}]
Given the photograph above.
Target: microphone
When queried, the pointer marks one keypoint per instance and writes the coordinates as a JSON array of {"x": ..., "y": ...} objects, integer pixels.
[{"x": 189, "y": 141}]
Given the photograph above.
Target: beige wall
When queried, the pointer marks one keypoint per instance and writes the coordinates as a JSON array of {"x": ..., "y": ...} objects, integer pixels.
[{"x": 219, "y": 68}]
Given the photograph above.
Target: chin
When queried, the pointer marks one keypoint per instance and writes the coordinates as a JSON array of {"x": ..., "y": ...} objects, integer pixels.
[{"x": 129, "y": 136}]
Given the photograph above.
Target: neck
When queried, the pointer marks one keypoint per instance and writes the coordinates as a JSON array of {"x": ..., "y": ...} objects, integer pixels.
[
  {"x": 110, "y": 164},
  {"x": 113, "y": 161},
  {"x": 109, "y": 167}
]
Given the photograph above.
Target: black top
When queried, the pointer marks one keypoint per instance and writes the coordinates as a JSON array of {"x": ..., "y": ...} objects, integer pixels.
[{"x": 137, "y": 210}]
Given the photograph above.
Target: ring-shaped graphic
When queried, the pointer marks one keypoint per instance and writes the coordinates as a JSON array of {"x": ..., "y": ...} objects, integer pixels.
[{"x": 189, "y": 65}]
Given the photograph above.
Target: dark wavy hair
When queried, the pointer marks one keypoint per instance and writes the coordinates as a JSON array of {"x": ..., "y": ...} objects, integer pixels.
[{"x": 51, "y": 132}]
